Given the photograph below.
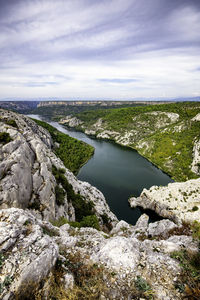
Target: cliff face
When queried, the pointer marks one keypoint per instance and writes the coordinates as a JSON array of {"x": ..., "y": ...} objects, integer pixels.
[
  {"x": 179, "y": 201},
  {"x": 27, "y": 181},
  {"x": 39, "y": 260}
]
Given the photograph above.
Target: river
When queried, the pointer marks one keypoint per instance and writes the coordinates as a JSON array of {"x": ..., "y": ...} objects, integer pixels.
[{"x": 118, "y": 172}]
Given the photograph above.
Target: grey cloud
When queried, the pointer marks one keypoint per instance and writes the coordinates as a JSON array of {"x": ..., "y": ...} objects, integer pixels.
[
  {"x": 118, "y": 80},
  {"x": 110, "y": 31}
]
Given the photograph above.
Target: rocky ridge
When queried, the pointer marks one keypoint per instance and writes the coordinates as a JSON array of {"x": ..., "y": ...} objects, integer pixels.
[
  {"x": 39, "y": 260},
  {"x": 26, "y": 173}
]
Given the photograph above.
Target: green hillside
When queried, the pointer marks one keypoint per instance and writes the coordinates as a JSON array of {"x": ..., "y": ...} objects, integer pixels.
[
  {"x": 165, "y": 134},
  {"x": 72, "y": 152}
]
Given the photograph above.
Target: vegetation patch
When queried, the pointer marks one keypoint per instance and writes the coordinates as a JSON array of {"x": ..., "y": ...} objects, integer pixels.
[
  {"x": 59, "y": 222},
  {"x": 189, "y": 278},
  {"x": 4, "y": 138},
  {"x": 72, "y": 152},
  {"x": 60, "y": 195},
  {"x": 9, "y": 122},
  {"x": 142, "y": 285},
  {"x": 196, "y": 230},
  {"x": 81, "y": 206},
  {"x": 5, "y": 283}
]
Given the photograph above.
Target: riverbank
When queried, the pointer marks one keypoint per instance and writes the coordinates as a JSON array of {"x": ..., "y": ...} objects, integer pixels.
[
  {"x": 119, "y": 173},
  {"x": 167, "y": 135},
  {"x": 111, "y": 140}
]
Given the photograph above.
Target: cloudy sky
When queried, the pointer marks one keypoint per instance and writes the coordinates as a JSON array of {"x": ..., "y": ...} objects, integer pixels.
[{"x": 99, "y": 49}]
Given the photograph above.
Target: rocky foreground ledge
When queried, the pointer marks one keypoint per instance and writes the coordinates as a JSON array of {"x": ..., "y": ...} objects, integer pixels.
[{"x": 38, "y": 259}]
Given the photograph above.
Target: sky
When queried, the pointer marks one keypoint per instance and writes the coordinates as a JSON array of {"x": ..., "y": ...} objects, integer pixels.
[{"x": 99, "y": 49}]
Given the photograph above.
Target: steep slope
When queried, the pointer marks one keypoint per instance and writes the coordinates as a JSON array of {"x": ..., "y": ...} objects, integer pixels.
[
  {"x": 39, "y": 260},
  {"x": 168, "y": 135},
  {"x": 28, "y": 180}
]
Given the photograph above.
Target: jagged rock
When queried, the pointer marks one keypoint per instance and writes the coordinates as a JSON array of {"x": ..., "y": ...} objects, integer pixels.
[
  {"x": 26, "y": 173},
  {"x": 196, "y": 118},
  {"x": 30, "y": 254},
  {"x": 70, "y": 121},
  {"x": 179, "y": 201},
  {"x": 31, "y": 248},
  {"x": 196, "y": 157},
  {"x": 161, "y": 228},
  {"x": 120, "y": 226},
  {"x": 142, "y": 222},
  {"x": 68, "y": 281}
]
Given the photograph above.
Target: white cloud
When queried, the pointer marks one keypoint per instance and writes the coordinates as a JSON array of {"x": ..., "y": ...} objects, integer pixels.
[{"x": 44, "y": 39}]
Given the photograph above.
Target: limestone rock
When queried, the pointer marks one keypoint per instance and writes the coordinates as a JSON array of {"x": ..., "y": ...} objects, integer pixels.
[
  {"x": 31, "y": 248},
  {"x": 161, "y": 228},
  {"x": 71, "y": 121},
  {"x": 179, "y": 201},
  {"x": 30, "y": 254},
  {"x": 196, "y": 157},
  {"x": 26, "y": 173}
]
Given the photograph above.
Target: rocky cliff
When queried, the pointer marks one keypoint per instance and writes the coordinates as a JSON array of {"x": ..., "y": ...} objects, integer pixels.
[
  {"x": 27, "y": 179},
  {"x": 40, "y": 259}
]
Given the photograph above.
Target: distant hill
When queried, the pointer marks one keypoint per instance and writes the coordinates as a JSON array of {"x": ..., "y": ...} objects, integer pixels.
[{"x": 19, "y": 106}]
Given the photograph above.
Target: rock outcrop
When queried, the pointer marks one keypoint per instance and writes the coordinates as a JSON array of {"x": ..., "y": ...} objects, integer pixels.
[
  {"x": 179, "y": 201},
  {"x": 71, "y": 121},
  {"x": 32, "y": 250},
  {"x": 196, "y": 158},
  {"x": 26, "y": 174}
]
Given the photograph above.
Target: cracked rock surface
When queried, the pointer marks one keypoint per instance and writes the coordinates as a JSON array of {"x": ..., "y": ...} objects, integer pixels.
[{"x": 26, "y": 179}]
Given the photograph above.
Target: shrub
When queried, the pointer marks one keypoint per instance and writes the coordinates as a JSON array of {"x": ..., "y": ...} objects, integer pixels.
[
  {"x": 60, "y": 195},
  {"x": 82, "y": 208},
  {"x": 90, "y": 221},
  {"x": 190, "y": 274},
  {"x": 196, "y": 230},
  {"x": 195, "y": 208},
  {"x": 141, "y": 284},
  {"x": 4, "y": 138},
  {"x": 61, "y": 221},
  {"x": 107, "y": 221},
  {"x": 11, "y": 123}
]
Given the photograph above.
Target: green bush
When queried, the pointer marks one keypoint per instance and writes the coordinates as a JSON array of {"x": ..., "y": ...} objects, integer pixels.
[
  {"x": 60, "y": 195},
  {"x": 82, "y": 208},
  {"x": 72, "y": 152},
  {"x": 11, "y": 123},
  {"x": 90, "y": 221},
  {"x": 195, "y": 208},
  {"x": 196, "y": 230},
  {"x": 4, "y": 138},
  {"x": 141, "y": 284},
  {"x": 61, "y": 221}
]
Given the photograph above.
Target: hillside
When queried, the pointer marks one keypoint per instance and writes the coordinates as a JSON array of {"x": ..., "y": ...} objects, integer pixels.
[
  {"x": 168, "y": 134},
  {"x": 59, "y": 239},
  {"x": 72, "y": 152}
]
